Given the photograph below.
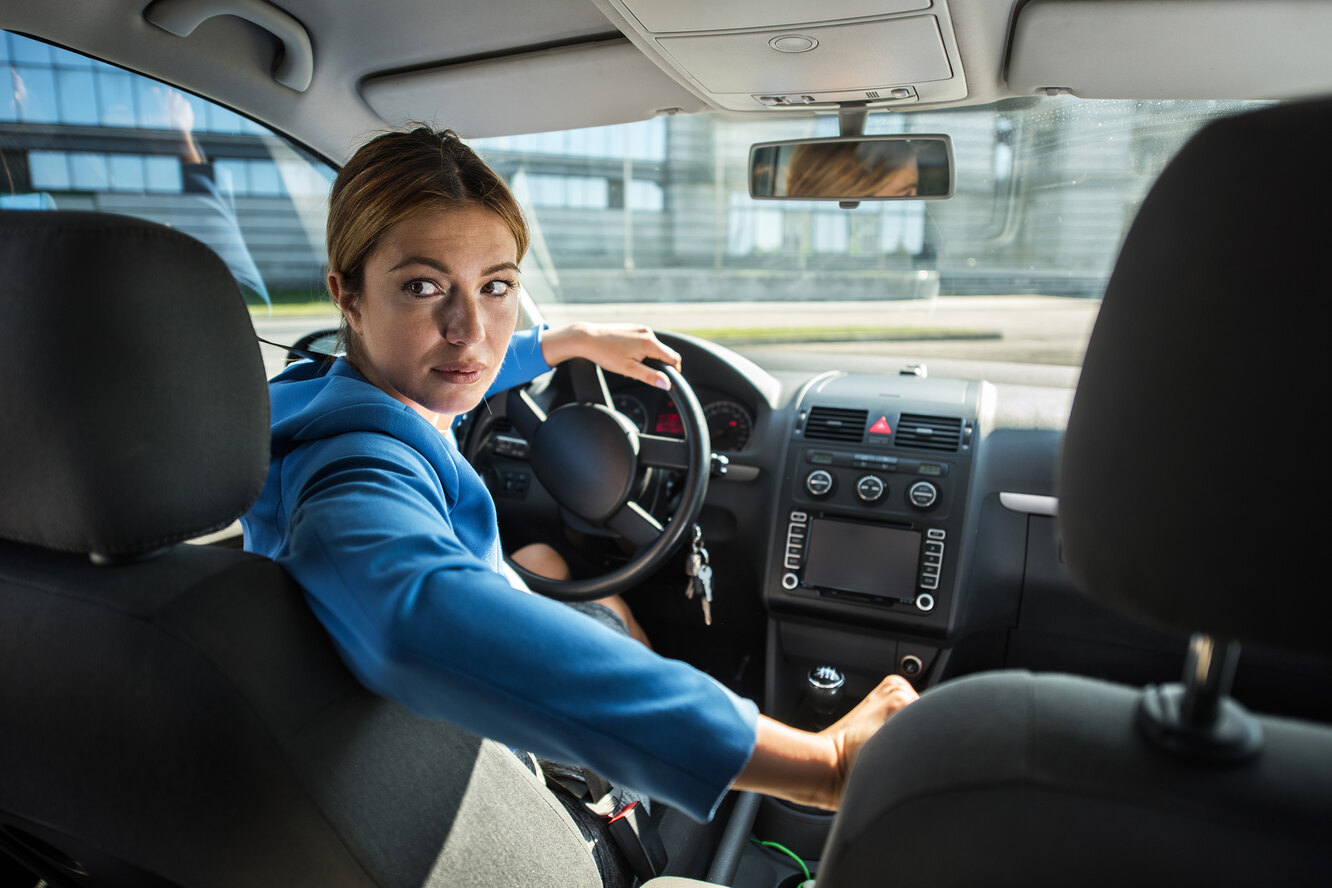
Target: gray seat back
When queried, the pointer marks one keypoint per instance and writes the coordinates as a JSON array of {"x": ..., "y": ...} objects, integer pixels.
[{"x": 174, "y": 714}]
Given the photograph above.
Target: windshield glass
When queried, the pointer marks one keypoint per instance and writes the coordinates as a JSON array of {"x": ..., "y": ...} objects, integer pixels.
[{"x": 652, "y": 222}]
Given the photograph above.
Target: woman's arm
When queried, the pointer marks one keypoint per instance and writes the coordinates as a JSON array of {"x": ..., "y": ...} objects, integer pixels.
[{"x": 620, "y": 348}]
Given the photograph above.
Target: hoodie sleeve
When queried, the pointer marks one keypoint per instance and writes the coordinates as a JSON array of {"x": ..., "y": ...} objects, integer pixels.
[{"x": 421, "y": 619}]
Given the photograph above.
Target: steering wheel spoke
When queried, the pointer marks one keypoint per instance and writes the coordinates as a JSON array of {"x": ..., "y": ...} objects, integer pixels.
[
  {"x": 661, "y": 452},
  {"x": 589, "y": 383},
  {"x": 523, "y": 412},
  {"x": 636, "y": 525}
]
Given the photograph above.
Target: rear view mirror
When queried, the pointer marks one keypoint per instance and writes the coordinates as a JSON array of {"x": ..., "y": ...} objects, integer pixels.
[{"x": 855, "y": 168}]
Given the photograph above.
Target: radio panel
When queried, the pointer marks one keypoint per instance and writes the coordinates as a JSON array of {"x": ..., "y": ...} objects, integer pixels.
[
  {"x": 879, "y": 561},
  {"x": 875, "y": 498}
]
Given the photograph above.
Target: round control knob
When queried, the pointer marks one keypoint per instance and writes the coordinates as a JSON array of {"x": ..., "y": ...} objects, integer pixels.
[
  {"x": 819, "y": 482},
  {"x": 871, "y": 488},
  {"x": 910, "y": 665},
  {"x": 790, "y": 580},
  {"x": 925, "y": 602},
  {"x": 824, "y": 686},
  {"x": 923, "y": 495}
]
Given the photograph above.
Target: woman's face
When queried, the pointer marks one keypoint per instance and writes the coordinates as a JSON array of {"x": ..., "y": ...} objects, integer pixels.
[
  {"x": 438, "y": 305},
  {"x": 902, "y": 182}
]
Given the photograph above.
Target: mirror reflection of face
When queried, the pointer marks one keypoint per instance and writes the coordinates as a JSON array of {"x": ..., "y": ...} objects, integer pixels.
[
  {"x": 902, "y": 182},
  {"x": 437, "y": 309}
]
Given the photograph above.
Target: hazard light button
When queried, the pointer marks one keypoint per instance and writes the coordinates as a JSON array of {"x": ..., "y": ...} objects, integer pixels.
[{"x": 881, "y": 427}]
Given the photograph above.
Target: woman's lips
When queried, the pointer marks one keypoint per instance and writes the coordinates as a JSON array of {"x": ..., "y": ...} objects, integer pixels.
[{"x": 460, "y": 374}]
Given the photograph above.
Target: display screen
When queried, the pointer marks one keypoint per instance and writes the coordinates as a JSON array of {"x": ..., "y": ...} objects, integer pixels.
[
  {"x": 668, "y": 422},
  {"x": 871, "y": 559}
]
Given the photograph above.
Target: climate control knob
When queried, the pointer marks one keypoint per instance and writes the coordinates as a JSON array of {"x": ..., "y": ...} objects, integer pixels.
[
  {"x": 923, "y": 495},
  {"x": 819, "y": 482},
  {"x": 871, "y": 488}
]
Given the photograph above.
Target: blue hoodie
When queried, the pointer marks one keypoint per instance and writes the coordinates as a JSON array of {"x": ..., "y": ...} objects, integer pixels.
[{"x": 393, "y": 536}]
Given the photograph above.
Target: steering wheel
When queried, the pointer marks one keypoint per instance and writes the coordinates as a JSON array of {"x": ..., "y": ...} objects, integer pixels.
[{"x": 587, "y": 455}]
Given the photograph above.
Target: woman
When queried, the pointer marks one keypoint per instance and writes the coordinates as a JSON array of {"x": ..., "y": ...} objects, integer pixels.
[{"x": 371, "y": 508}]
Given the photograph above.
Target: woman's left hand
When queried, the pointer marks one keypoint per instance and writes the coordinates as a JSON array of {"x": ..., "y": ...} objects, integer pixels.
[{"x": 619, "y": 348}]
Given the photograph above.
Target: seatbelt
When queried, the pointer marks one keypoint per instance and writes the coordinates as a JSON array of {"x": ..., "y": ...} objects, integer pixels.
[{"x": 629, "y": 825}]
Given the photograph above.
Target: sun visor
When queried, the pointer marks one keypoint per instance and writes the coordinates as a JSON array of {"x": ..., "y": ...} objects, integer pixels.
[
  {"x": 592, "y": 84},
  {"x": 1176, "y": 49}
]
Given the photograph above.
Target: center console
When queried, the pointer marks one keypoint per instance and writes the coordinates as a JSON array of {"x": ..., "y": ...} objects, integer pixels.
[
  {"x": 873, "y": 501},
  {"x": 865, "y": 551}
]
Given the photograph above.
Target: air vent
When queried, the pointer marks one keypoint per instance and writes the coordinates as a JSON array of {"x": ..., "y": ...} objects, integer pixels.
[
  {"x": 929, "y": 432},
  {"x": 836, "y": 424}
]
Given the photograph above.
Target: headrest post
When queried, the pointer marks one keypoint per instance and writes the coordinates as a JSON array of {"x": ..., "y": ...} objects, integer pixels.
[
  {"x": 1209, "y": 671},
  {"x": 1197, "y": 718}
]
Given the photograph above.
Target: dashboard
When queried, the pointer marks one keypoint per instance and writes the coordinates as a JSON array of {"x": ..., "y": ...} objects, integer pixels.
[{"x": 867, "y": 523}]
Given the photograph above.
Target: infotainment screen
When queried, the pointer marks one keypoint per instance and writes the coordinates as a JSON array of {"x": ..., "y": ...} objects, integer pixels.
[{"x": 852, "y": 556}]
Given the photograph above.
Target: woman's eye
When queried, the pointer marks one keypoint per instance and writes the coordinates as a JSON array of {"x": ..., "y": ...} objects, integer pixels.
[
  {"x": 422, "y": 289},
  {"x": 498, "y": 288}
]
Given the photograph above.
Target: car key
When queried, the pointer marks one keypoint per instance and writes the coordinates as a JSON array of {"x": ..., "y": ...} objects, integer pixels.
[
  {"x": 693, "y": 563},
  {"x": 704, "y": 579}
]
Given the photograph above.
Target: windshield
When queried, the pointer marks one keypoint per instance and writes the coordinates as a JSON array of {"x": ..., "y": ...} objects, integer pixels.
[{"x": 652, "y": 222}]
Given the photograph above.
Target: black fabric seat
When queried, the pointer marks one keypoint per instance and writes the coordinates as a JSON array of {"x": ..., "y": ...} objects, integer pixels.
[
  {"x": 173, "y": 714},
  {"x": 1185, "y": 500}
]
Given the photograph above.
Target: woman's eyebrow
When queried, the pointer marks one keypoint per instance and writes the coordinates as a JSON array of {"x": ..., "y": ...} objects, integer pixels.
[
  {"x": 422, "y": 260},
  {"x": 444, "y": 269}
]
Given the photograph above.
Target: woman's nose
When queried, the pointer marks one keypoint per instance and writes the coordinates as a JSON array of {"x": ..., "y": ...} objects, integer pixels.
[{"x": 460, "y": 322}]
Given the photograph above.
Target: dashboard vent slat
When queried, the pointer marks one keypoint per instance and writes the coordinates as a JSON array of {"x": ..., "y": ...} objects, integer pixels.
[
  {"x": 940, "y": 433},
  {"x": 836, "y": 424}
]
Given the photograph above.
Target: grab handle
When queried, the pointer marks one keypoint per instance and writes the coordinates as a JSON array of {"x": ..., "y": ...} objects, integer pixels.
[{"x": 293, "y": 68}]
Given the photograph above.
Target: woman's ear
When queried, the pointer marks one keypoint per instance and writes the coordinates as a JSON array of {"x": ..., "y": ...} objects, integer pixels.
[{"x": 344, "y": 299}]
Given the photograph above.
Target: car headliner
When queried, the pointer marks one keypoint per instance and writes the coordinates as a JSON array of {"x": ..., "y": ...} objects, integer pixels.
[{"x": 483, "y": 62}]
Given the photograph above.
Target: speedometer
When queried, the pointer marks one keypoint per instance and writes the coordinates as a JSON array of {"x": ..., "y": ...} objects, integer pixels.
[
  {"x": 634, "y": 409},
  {"x": 729, "y": 425}
]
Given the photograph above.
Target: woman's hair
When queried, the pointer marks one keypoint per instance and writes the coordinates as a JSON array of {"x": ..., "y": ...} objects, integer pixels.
[
  {"x": 396, "y": 176},
  {"x": 846, "y": 168}
]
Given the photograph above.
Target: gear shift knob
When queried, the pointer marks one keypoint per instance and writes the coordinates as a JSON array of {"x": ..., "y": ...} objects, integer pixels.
[{"x": 824, "y": 687}]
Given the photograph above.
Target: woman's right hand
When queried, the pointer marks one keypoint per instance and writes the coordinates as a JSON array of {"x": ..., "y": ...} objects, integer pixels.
[
  {"x": 850, "y": 732},
  {"x": 812, "y": 769}
]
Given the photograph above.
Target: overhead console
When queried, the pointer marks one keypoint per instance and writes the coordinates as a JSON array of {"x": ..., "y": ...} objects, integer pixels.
[
  {"x": 786, "y": 54},
  {"x": 873, "y": 500}
]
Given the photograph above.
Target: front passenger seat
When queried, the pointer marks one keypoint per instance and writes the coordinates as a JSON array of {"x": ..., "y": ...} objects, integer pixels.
[
  {"x": 1189, "y": 479},
  {"x": 173, "y": 714}
]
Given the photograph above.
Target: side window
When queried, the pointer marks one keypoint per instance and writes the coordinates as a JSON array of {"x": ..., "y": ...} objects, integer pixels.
[{"x": 76, "y": 133}]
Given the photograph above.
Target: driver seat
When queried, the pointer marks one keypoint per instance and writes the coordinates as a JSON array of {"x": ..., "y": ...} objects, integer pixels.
[
  {"x": 174, "y": 714},
  {"x": 1180, "y": 504}
]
